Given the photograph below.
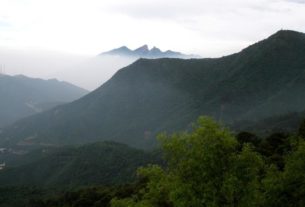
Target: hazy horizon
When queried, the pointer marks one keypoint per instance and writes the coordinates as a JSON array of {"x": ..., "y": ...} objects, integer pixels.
[
  {"x": 203, "y": 27},
  {"x": 83, "y": 71},
  {"x": 87, "y": 72},
  {"x": 60, "y": 39}
]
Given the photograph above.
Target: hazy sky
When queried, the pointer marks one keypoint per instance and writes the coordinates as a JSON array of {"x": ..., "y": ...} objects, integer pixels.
[{"x": 206, "y": 27}]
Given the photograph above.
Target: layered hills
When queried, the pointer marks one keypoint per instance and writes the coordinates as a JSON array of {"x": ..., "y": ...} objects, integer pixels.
[
  {"x": 22, "y": 96},
  {"x": 155, "y": 95}
]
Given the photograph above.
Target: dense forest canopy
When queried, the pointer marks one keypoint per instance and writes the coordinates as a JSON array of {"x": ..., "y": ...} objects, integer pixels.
[{"x": 211, "y": 167}]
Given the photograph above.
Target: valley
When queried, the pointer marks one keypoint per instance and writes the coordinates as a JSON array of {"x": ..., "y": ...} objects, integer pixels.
[{"x": 161, "y": 132}]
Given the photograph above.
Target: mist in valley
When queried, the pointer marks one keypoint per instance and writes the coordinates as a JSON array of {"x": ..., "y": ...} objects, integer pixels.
[
  {"x": 174, "y": 103},
  {"x": 88, "y": 72}
]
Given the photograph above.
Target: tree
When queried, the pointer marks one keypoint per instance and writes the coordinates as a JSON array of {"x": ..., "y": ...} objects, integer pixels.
[
  {"x": 274, "y": 147},
  {"x": 287, "y": 188},
  {"x": 247, "y": 137},
  {"x": 204, "y": 168}
]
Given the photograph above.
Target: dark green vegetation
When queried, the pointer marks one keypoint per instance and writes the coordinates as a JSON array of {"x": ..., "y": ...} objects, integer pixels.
[
  {"x": 151, "y": 96},
  {"x": 22, "y": 96},
  {"x": 79, "y": 197},
  {"x": 105, "y": 163},
  {"x": 207, "y": 166},
  {"x": 20, "y": 196},
  {"x": 72, "y": 176},
  {"x": 210, "y": 167}
]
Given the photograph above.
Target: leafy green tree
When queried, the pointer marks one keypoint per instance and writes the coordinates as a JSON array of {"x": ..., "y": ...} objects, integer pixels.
[
  {"x": 287, "y": 188},
  {"x": 274, "y": 147},
  {"x": 294, "y": 176},
  {"x": 204, "y": 168}
]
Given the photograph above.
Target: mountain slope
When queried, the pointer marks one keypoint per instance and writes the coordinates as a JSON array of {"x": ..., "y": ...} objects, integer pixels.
[
  {"x": 150, "y": 96},
  {"x": 285, "y": 123},
  {"x": 145, "y": 52},
  {"x": 94, "y": 164},
  {"x": 268, "y": 79},
  {"x": 22, "y": 96}
]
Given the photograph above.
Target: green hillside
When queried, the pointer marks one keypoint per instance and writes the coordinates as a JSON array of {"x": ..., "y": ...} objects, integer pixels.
[
  {"x": 151, "y": 96},
  {"x": 22, "y": 96},
  {"x": 102, "y": 163}
]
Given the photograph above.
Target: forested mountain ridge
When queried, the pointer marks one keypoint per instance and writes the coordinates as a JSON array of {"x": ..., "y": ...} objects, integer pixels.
[
  {"x": 22, "y": 96},
  {"x": 104, "y": 163},
  {"x": 151, "y": 96}
]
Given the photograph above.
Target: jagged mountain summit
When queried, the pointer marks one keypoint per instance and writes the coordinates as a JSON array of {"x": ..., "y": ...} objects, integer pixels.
[
  {"x": 22, "y": 96},
  {"x": 155, "y": 95},
  {"x": 145, "y": 52}
]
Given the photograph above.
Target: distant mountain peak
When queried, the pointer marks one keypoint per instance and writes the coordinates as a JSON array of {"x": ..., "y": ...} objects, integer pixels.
[
  {"x": 155, "y": 49},
  {"x": 123, "y": 48},
  {"x": 143, "y": 48},
  {"x": 145, "y": 52}
]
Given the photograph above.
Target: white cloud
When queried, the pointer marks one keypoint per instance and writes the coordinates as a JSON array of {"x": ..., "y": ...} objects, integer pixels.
[
  {"x": 297, "y": 1},
  {"x": 207, "y": 27},
  {"x": 210, "y": 28}
]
